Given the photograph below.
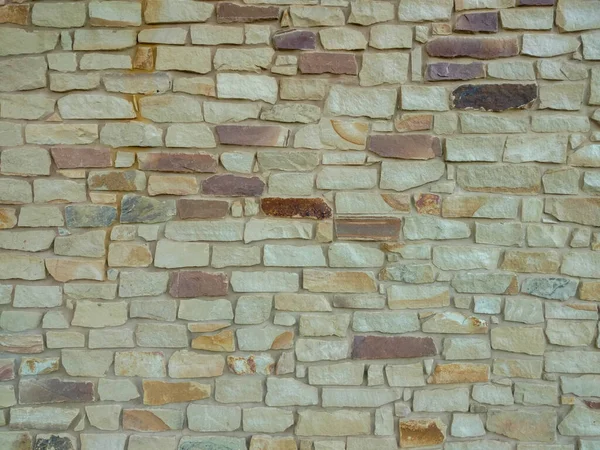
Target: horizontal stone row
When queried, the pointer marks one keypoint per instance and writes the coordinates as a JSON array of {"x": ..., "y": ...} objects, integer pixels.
[{"x": 570, "y": 16}]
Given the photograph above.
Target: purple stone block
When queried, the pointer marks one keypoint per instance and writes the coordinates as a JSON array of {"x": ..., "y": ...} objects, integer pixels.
[
  {"x": 486, "y": 22},
  {"x": 295, "y": 40},
  {"x": 453, "y": 71}
]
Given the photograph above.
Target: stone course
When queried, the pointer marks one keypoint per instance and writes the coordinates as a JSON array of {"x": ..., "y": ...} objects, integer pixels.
[{"x": 299, "y": 224}]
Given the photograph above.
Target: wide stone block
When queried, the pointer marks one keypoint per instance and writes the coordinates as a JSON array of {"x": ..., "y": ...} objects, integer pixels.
[
  {"x": 478, "y": 48},
  {"x": 494, "y": 97},
  {"x": 334, "y": 63},
  {"x": 379, "y": 347},
  {"x": 187, "y": 284},
  {"x": 232, "y": 13},
  {"x": 263, "y": 136}
]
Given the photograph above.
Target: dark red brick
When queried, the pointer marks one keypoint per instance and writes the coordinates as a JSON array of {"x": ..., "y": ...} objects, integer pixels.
[
  {"x": 260, "y": 135},
  {"x": 34, "y": 391},
  {"x": 384, "y": 347},
  {"x": 405, "y": 146},
  {"x": 368, "y": 229},
  {"x": 443, "y": 71},
  {"x": 178, "y": 162},
  {"x": 233, "y": 186},
  {"x": 494, "y": 97},
  {"x": 202, "y": 209},
  {"x": 295, "y": 40},
  {"x": 336, "y": 63},
  {"x": 486, "y": 22},
  {"x": 195, "y": 283},
  {"x": 313, "y": 208},
  {"x": 80, "y": 157},
  {"x": 232, "y": 13},
  {"x": 473, "y": 47}
]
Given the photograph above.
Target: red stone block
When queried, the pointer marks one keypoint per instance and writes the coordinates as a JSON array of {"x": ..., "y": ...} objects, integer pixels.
[
  {"x": 260, "y": 135},
  {"x": 336, "y": 63},
  {"x": 232, "y": 13},
  {"x": 383, "y": 347},
  {"x": 233, "y": 186},
  {"x": 80, "y": 157},
  {"x": 202, "y": 209},
  {"x": 312, "y": 208},
  {"x": 178, "y": 162},
  {"x": 473, "y": 47},
  {"x": 405, "y": 146},
  {"x": 195, "y": 283}
]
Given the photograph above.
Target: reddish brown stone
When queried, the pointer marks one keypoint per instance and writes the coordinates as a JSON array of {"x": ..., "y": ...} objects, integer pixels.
[
  {"x": 368, "y": 229},
  {"x": 592, "y": 404},
  {"x": 473, "y": 47},
  {"x": 21, "y": 343},
  {"x": 233, "y": 186},
  {"x": 413, "y": 122},
  {"x": 384, "y": 347},
  {"x": 405, "y": 146},
  {"x": 493, "y": 97},
  {"x": 336, "y": 63},
  {"x": 536, "y": 2},
  {"x": 295, "y": 40},
  {"x": 314, "y": 208},
  {"x": 195, "y": 283},
  {"x": 232, "y": 13},
  {"x": 262, "y": 135},
  {"x": 452, "y": 71},
  {"x": 202, "y": 209},
  {"x": 143, "y": 420},
  {"x": 428, "y": 204},
  {"x": 178, "y": 162},
  {"x": 33, "y": 391},
  {"x": 485, "y": 22},
  {"x": 17, "y": 14},
  {"x": 7, "y": 369},
  {"x": 80, "y": 157}
]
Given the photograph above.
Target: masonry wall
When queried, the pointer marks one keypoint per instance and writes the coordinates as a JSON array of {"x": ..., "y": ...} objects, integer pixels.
[{"x": 299, "y": 225}]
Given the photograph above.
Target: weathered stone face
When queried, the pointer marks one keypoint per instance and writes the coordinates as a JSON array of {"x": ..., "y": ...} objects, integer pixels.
[
  {"x": 479, "y": 48},
  {"x": 453, "y": 71},
  {"x": 494, "y": 97},
  {"x": 221, "y": 224},
  {"x": 378, "y": 347},
  {"x": 478, "y": 22}
]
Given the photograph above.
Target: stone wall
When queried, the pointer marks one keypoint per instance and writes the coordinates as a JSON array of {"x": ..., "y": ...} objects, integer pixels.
[{"x": 299, "y": 225}]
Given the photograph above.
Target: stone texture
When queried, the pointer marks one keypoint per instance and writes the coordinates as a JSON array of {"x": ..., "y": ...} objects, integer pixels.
[
  {"x": 478, "y": 48},
  {"x": 490, "y": 97},
  {"x": 255, "y": 255},
  {"x": 335, "y": 63}
]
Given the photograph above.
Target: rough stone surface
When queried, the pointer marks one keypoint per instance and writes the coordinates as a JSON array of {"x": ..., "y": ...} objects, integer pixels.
[{"x": 299, "y": 225}]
